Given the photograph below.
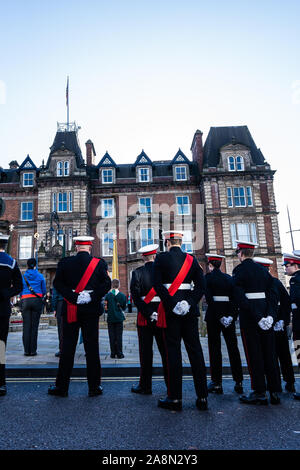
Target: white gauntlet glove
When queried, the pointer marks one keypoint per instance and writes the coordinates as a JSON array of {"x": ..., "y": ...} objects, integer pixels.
[
  {"x": 226, "y": 321},
  {"x": 266, "y": 323},
  {"x": 84, "y": 297},
  {"x": 154, "y": 316},
  {"x": 279, "y": 326},
  {"x": 181, "y": 308}
]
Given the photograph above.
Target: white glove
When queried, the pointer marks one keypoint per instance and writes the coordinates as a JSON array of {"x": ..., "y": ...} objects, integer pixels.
[
  {"x": 154, "y": 316},
  {"x": 226, "y": 321},
  {"x": 279, "y": 325},
  {"x": 270, "y": 320},
  {"x": 185, "y": 306},
  {"x": 181, "y": 308},
  {"x": 84, "y": 297},
  {"x": 265, "y": 323}
]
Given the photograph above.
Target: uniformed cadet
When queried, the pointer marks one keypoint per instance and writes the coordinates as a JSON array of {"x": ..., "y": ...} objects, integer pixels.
[
  {"x": 220, "y": 318},
  {"x": 174, "y": 271},
  {"x": 292, "y": 268},
  {"x": 280, "y": 328},
  {"x": 255, "y": 296},
  {"x": 11, "y": 284},
  {"x": 147, "y": 303},
  {"x": 82, "y": 280}
]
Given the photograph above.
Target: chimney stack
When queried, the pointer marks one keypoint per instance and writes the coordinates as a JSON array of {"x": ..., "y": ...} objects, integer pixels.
[
  {"x": 90, "y": 153},
  {"x": 197, "y": 149}
]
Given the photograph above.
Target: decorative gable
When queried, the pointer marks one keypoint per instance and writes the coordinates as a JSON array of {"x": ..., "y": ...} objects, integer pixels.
[
  {"x": 180, "y": 158},
  {"x": 27, "y": 164},
  {"x": 107, "y": 161},
  {"x": 143, "y": 159}
]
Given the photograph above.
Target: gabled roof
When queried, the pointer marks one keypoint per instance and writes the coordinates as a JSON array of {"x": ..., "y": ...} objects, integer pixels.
[
  {"x": 27, "y": 164},
  {"x": 106, "y": 161},
  {"x": 220, "y": 136},
  {"x": 142, "y": 159},
  {"x": 67, "y": 140},
  {"x": 180, "y": 158}
]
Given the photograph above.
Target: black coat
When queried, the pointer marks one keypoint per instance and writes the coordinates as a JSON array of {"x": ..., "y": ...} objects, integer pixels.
[
  {"x": 166, "y": 267},
  {"x": 249, "y": 277},
  {"x": 68, "y": 275},
  {"x": 284, "y": 302},
  {"x": 295, "y": 299},
  {"x": 219, "y": 284},
  {"x": 141, "y": 283},
  {"x": 11, "y": 282}
]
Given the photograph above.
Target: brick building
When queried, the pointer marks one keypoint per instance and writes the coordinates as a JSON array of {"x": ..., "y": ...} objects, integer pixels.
[{"x": 224, "y": 192}]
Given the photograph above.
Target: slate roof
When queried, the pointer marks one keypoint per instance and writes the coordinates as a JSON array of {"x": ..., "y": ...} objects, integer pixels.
[
  {"x": 69, "y": 141},
  {"x": 220, "y": 136}
]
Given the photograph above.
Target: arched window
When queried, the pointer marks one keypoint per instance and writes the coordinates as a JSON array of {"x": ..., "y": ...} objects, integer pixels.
[
  {"x": 239, "y": 163},
  {"x": 231, "y": 163}
]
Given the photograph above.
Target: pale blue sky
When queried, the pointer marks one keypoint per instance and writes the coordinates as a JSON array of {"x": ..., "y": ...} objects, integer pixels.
[{"x": 147, "y": 74}]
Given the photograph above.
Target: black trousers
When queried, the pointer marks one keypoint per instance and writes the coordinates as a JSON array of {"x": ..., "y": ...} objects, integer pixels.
[
  {"x": 4, "y": 326},
  {"x": 115, "y": 332},
  {"x": 59, "y": 320},
  {"x": 89, "y": 324},
  {"x": 259, "y": 346},
  {"x": 146, "y": 334},
  {"x": 296, "y": 340},
  {"x": 284, "y": 356},
  {"x": 214, "y": 330},
  {"x": 184, "y": 328},
  {"x": 31, "y": 312}
]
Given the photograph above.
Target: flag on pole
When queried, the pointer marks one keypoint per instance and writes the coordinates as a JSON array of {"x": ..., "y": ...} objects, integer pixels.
[{"x": 115, "y": 266}]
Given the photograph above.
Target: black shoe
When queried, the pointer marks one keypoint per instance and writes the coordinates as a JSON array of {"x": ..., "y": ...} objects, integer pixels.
[
  {"x": 3, "y": 390},
  {"x": 297, "y": 396},
  {"x": 26, "y": 354},
  {"x": 113, "y": 356},
  {"x": 57, "y": 354},
  {"x": 238, "y": 388},
  {"x": 33, "y": 354},
  {"x": 274, "y": 398},
  {"x": 96, "y": 392},
  {"x": 254, "y": 398},
  {"x": 290, "y": 387},
  {"x": 213, "y": 387},
  {"x": 201, "y": 404},
  {"x": 169, "y": 404},
  {"x": 140, "y": 390},
  {"x": 56, "y": 391},
  {"x": 120, "y": 356}
]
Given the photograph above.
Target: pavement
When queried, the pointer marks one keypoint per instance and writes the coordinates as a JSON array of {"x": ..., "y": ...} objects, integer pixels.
[
  {"x": 32, "y": 420},
  {"x": 45, "y": 363}
]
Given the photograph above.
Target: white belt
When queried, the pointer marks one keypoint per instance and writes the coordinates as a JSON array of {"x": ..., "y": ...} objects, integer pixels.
[
  {"x": 221, "y": 298},
  {"x": 294, "y": 306},
  {"x": 155, "y": 299},
  {"x": 255, "y": 295},
  {"x": 182, "y": 287}
]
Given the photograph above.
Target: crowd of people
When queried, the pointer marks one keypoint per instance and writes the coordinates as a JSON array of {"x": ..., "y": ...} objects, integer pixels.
[{"x": 166, "y": 291}]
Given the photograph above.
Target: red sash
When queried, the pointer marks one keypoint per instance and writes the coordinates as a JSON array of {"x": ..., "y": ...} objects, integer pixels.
[
  {"x": 141, "y": 320},
  {"x": 72, "y": 308},
  {"x": 161, "y": 321}
]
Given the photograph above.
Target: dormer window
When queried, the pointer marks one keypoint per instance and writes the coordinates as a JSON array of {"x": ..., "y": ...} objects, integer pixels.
[
  {"x": 144, "y": 175},
  {"x": 63, "y": 168},
  {"x": 28, "y": 180},
  {"x": 107, "y": 176},
  {"x": 236, "y": 163},
  {"x": 180, "y": 173}
]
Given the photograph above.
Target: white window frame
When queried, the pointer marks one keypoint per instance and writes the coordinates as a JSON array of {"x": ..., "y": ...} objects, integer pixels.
[
  {"x": 229, "y": 197},
  {"x": 249, "y": 196},
  {"x": 54, "y": 202},
  {"x": 103, "y": 208},
  {"x": 70, "y": 202},
  {"x": 60, "y": 168},
  {"x": 187, "y": 240},
  {"x": 140, "y": 169},
  {"x": 25, "y": 254},
  {"x": 183, "y": 205},
  {"x": 132, "y": 239},
  {"x": 28, "y": 185},
  {"x": 105, "y": 244},
  {"x": 66, "y": 168},
  {"x": 149, "y": 241},
  {"x": 145, "y": 206},
  {"x": 239, "y": 196},
  {"x": 62, "y": 202},
  {"x": 235, "y": 235},
  {"x": 231, "y": 163},
  {"x": 242, "y": 163},
  {"x": 112, "y": 175},
  {"x": 185, "y": 171},
  {"x": 26, "y": 202}
]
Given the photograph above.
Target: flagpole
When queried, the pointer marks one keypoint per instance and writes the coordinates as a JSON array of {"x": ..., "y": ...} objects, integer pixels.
[{"x": 67, "y": 99}]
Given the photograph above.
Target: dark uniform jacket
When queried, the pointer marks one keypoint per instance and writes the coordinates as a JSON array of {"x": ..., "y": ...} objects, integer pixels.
[
  {"x": 219, "y": 284},
  {"x": 68, "y": 275},
  {"x": 284, "y": 302},
  {"x": 141, "y": 283},
  {"x": 166, "y": 267},
  {"x": 11, "y": 283},
  {"x": 295, "y": 299},
  {"x": 250, "y": 277}
]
